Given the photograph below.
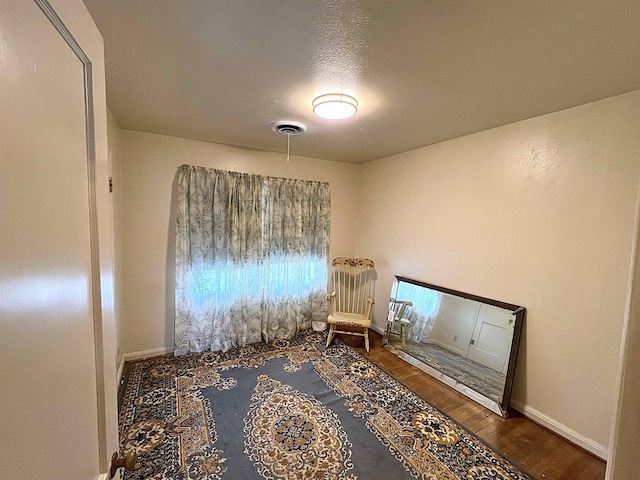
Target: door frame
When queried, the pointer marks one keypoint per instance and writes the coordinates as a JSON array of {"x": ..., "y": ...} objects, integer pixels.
[{"x": 96, "y": 286}]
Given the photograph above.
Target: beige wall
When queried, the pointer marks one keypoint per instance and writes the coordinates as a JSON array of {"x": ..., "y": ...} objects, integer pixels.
[
  {"x": 149, "y": 168},
  {"x": 538, "y": 213}
]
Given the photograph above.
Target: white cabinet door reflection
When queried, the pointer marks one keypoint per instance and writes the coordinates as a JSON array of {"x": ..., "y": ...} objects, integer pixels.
[{"x": 491, "y": 340}]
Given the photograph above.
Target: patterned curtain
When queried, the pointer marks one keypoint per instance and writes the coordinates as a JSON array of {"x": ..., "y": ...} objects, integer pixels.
[
  {"x": 422, "y": 314},
  {"x": 251, "y": 258}
]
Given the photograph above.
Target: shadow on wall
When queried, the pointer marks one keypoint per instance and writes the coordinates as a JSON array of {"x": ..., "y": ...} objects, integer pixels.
[
  {"x": 170, "y": 300},
  {"x": 519, "y": 396}
]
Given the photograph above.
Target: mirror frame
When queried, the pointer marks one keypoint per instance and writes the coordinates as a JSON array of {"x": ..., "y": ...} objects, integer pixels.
[{"x": 518, "y": 311}]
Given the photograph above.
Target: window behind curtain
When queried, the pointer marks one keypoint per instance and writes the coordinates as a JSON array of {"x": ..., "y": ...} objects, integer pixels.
[{"x": 251, "y": 258}]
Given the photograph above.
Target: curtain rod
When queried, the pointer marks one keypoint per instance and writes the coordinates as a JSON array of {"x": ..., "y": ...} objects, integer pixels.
[{"x": 210, "y": 169}]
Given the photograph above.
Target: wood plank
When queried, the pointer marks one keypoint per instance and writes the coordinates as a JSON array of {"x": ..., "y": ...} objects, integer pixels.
[{"x": 541, "y": 452}]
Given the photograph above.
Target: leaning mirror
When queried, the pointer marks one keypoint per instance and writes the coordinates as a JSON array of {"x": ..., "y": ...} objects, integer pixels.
[{"x": 468, "y": 342}]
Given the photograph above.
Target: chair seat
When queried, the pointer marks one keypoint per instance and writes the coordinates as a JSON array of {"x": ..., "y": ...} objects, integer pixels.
[{"x": 349, "y": 319}]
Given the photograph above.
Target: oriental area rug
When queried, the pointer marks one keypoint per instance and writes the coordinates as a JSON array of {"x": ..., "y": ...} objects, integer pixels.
[{"x": 291, "y": 409}]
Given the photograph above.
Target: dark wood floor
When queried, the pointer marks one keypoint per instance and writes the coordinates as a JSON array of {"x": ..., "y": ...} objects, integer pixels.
[{"x": 541, "y": 452}]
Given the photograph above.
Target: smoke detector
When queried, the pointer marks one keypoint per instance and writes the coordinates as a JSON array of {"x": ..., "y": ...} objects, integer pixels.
[{"x": 286, "y": 127}]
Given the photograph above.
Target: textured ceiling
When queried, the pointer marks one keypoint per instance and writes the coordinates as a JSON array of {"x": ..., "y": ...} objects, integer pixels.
[{"x": 423, "y": 71}]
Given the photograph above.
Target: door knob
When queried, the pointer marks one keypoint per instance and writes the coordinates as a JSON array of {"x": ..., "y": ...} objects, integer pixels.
[{"x": 127, "y": 461}]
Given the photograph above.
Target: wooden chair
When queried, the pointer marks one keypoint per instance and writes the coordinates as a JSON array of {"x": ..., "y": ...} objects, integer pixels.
[
  {"x": 396, "y": 312},
  {"x": 351, "y": 301}
]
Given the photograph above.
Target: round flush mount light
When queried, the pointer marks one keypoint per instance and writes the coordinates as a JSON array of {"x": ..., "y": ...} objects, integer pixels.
[{"x": 335, "y": 106}]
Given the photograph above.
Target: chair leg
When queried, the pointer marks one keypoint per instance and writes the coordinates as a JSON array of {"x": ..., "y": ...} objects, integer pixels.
[
  {"x": 332, "y": 327},
  {"x": 366, "y": 339}
]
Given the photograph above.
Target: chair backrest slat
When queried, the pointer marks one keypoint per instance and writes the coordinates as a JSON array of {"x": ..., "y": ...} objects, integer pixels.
[{"x": 352, "y": 279}]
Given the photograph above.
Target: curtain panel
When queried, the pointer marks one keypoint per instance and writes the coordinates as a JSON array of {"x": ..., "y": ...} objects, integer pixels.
[
  {"x": 422, "y": 315},
  {"x": 251, "y": 258}
]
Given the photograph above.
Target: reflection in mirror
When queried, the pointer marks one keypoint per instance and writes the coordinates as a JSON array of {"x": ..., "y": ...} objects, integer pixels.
[{"x": 468, "y": 342}]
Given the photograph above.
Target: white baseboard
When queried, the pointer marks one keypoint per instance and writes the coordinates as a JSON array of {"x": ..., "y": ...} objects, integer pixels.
[
  {"x": 548, "y": 422},
  {"x": 127, "y": 357},
  {"x": 378, "y": 329},
  {"x": 562, "y": 430}
]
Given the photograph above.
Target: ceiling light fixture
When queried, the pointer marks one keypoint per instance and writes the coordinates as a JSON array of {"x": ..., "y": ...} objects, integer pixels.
[{"x": 335, "y": 106}]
